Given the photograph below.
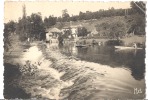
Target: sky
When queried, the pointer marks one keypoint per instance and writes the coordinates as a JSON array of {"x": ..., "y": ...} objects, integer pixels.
[{"x": 13, "y": 9}]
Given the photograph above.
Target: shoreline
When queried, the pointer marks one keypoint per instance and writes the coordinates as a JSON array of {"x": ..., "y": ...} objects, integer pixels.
[{"x": 126, "y": 41}]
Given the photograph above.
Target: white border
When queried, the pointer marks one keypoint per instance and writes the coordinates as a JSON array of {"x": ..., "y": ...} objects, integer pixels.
[{"x": 1, "y": 38}]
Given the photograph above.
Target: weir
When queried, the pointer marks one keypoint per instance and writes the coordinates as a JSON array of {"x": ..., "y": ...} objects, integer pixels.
[{"x": 62, "y": 77}]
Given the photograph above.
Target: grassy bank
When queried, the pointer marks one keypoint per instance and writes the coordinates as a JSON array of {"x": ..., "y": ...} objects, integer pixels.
[{"x": 135, "y": 38}]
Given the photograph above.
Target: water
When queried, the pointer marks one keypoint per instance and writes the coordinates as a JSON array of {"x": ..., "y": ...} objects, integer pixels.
[
  {"x": 125, "y": 69},
  {"x": 93, "y": 73},
  {"x": 133, "y": 60}
]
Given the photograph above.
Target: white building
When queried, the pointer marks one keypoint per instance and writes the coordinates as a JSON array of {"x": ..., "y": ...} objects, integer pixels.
[{"x": 74, "y": 30}]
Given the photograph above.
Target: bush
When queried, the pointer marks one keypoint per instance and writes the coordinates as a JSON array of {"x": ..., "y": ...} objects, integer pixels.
[
  {"x": 82, "y": 31},
  {"x": 114, "y": 42}
]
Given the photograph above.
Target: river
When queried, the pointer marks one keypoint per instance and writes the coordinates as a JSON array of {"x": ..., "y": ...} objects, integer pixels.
[
  {"x": 70, "y": 73},
  {"x": 133, "y": 60},
  {"x": 125, "y": 61}
]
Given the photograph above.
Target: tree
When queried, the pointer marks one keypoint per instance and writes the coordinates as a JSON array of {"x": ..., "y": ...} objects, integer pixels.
[
  {"x": 117, "y": 29},
  {"x": 34, "y": 27},
  {"x": 21, "y": 27},
  {"x": 74, "y": 18},
  {"x": 65, "y": 15},
  {"x": 50, "y": 21},
  {"x": 112, "y": 29},
  {"x": 67, "y": 33},
  {"x": 103, "y": 29},
  {"x": 24, "y": 20},
  {"x": 81, "y": 15},
  {"x": 82, "y": 31},
  {"x": 9, "y": 28},
  {"x": 139, "y": 7},
  {"x": 46, "y": 22},
  {"x": 37, "y": 26},
  {"x": 137, "y": 22}
]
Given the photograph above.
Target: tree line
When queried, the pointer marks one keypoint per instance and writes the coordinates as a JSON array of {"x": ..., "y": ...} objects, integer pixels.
[
  {"x": 94, "y": 15},
  {"x": 34, "y": 26}
]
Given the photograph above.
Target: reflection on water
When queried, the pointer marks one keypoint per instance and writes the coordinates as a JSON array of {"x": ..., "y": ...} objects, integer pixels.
[{"x": 132, "y": 60}]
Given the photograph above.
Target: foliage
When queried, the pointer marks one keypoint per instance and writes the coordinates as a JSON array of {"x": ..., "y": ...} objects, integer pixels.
[
  {"x": 138, "y": 7},
  {"x": 137, "y": 24},
  {"x": 93, "y": 15},
  {"x": 67, "y": 33},
  {"x": 114, "y": 42},
  {"x": 37, "y": 26},
  {"x": 65, "y": 15},
  {"x": 31, "y": 27},
  {"x": 50, "y": 21},
  {"x": 82, "y": 31},
  {"x": 9, "y": 29},
  {"x": 137, "y": 21},
  {"x": 114, "y": 29},
  {"x": 117, "y": 29}
]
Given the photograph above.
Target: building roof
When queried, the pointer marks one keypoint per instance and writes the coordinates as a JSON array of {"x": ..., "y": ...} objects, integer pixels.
[
  {"x": 72, "y": 26},
  {"x": 56, "y": 30}
]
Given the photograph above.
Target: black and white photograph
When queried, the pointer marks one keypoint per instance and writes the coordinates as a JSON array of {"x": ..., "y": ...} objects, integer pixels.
[{"x": 74, "y": 50}]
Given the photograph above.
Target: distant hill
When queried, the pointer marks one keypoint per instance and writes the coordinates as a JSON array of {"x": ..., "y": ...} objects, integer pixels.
[
  {"x": 98, "y": 25},
  {"x": 90, "y": 24}
]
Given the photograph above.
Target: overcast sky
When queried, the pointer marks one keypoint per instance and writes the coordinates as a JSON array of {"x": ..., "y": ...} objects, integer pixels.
[{"x": 13, "y": 10}]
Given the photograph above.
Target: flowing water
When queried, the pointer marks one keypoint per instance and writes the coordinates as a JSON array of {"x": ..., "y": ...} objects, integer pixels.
[
  {"x": 70, "y": 73},
  {"x": 133, "y": 60},
  {"x": 126, "y": 70}
]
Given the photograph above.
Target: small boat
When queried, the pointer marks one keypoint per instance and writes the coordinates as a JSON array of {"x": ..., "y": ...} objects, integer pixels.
[
  {"x": 81, "y": 45},
  {"x": 125, "y": 48}
]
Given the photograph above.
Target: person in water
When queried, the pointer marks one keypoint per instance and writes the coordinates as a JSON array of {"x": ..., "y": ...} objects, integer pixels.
[{"x": 135, "y": 45}]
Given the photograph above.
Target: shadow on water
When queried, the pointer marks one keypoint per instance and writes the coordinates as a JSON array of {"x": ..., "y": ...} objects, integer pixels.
[
  {"x": 133, "y": 60},
  {"x": 106, "y": 55},
  {"x": 11, "y": 79}
]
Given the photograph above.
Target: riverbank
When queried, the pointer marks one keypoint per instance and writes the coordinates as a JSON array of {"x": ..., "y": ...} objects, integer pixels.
[
  {"x": 12, "y": 73},
  {"x": 128, "y": 41},
  {"x": 67, "y": 78}
]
